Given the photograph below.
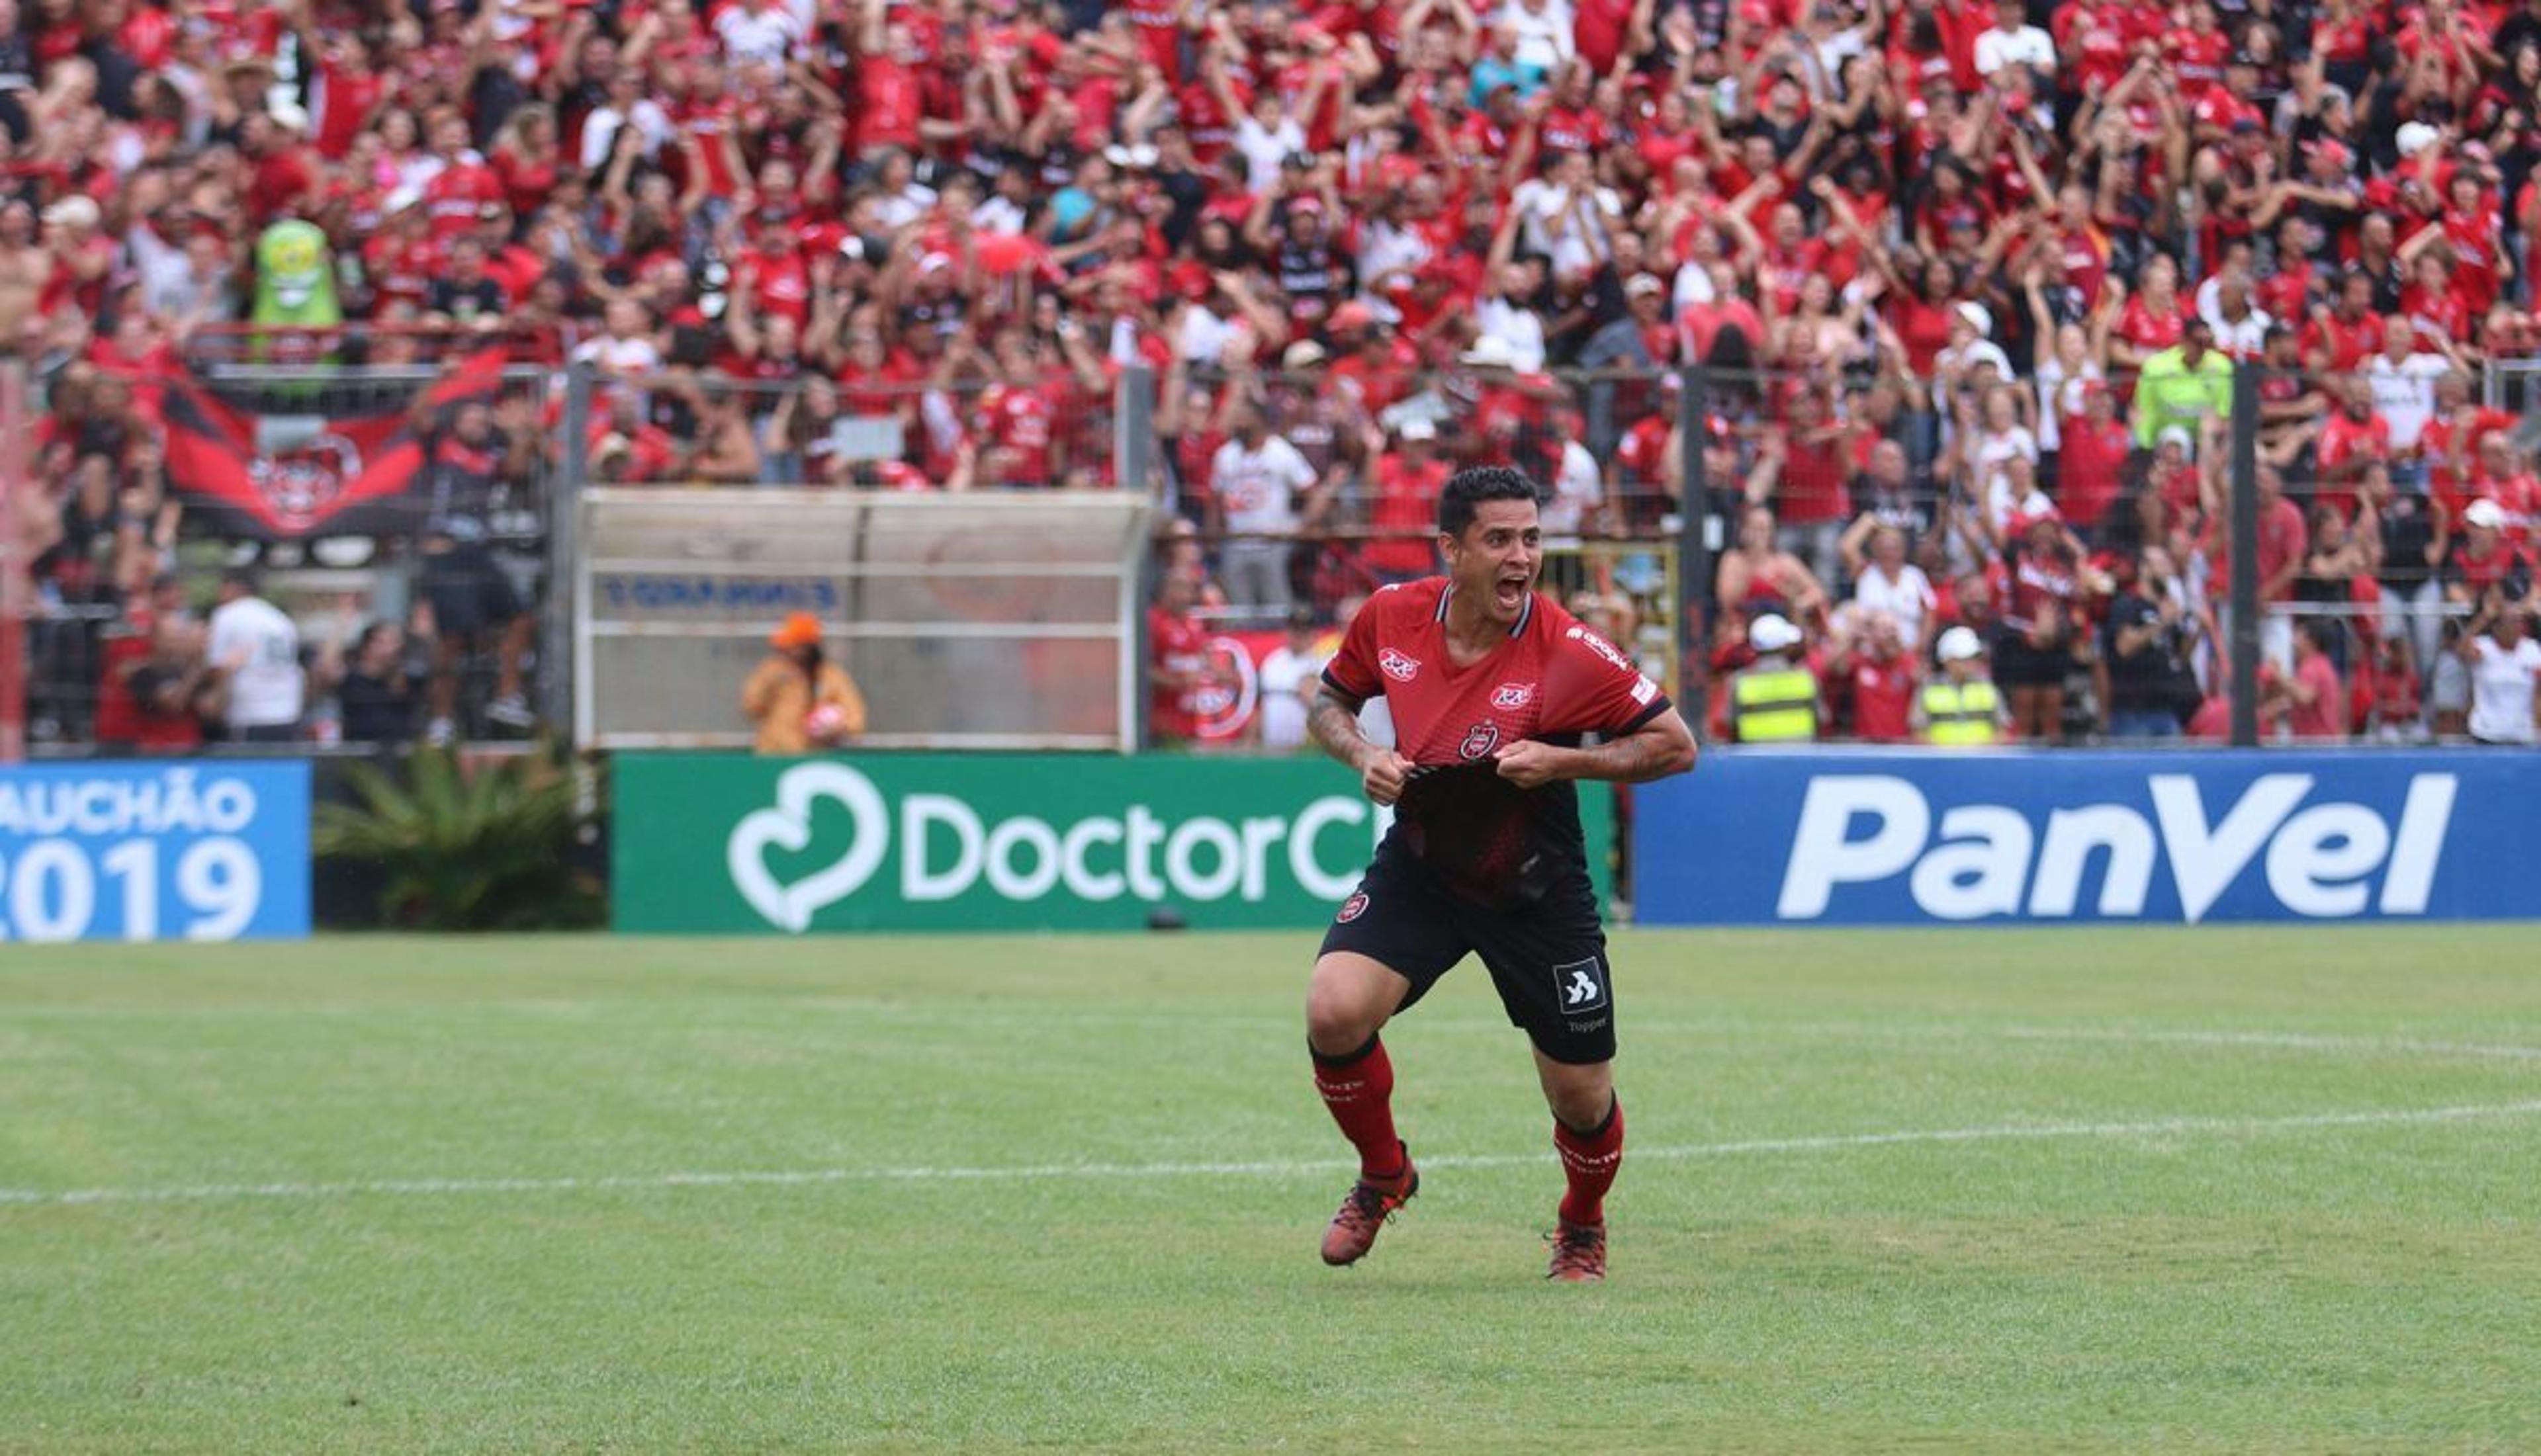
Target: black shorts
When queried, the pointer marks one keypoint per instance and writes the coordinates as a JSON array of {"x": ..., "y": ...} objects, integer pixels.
[
  {"x": 1547, "y": 960},
  {"x": 2017, "y": 663},
  {"x": 468, "y": 592}
]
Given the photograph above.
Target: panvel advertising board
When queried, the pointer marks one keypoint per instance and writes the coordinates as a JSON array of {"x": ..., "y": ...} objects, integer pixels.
[
  {"x": 200, "y": 850},
  {"x": 1908, "y": 837},
  {"x": 728, "y": 843}
]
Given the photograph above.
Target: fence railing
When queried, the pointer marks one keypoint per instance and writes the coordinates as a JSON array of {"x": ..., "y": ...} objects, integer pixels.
[{"x": 1291, "y": 486}]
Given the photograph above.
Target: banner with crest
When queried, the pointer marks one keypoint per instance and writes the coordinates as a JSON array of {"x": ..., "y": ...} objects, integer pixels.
[{"x": 287, "y": 467}]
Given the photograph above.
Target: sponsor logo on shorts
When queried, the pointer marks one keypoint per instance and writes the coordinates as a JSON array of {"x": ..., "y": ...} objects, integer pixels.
[
  {"x": 1352, "y": 908},
  {"x": 1513, "y": 695},
  {"x": 1580, "y": 988},
  {"x": 1480, "y": 740},
  {"x": 1398, "y": 664}
]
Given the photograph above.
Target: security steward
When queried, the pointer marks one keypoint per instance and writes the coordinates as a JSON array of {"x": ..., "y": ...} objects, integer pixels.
[
  {"x": 1774, "y": 699},
  {"x": 1962, "y": 708}
]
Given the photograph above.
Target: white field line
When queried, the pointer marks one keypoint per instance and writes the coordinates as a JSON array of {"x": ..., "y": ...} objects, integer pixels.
[
  {"x": 2370, "y": 1046},
  {"x": 2156, "y": 1128},
  {"x": 886, "y": 1011}
]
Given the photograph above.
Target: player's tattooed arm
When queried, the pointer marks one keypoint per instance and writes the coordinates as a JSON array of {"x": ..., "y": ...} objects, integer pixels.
[
  {"x": 1334, "y": 722},
  {"x": 1657, "y": 748}
]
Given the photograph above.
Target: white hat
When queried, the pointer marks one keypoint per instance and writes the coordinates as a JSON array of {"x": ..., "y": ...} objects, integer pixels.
[
  {"x": 1417, "y": 428},
  {"x": 2177, "y": 435},
  {"x": 1977, "y": 318},
  {"x": 1643, "y": 283},
  {"x": 1771, "y": 634},
  {"x": 1302, "y": 355},
  {"x": 1960, "y": 645},
  {"x": 2415, "y": 137},
  {"x": 1493, "y": 351},
  {"x": 2487, "y": 513}
]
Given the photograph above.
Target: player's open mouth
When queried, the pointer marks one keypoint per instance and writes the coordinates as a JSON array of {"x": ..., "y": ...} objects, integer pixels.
[{"x": 1512, "y": 592}]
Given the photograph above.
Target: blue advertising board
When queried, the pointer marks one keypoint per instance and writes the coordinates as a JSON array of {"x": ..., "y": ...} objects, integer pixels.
[
  {"x": 1929, "y": 837},
  {"x": 191, "y": 849}
]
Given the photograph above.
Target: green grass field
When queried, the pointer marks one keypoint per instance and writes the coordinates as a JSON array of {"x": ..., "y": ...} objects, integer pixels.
[{"x": 2182, "y": 1190}]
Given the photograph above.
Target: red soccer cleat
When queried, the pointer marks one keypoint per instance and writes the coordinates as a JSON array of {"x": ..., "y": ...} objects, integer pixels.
[
  {"x": 1370, "y": 1206},
  {"x": 1578, "y": 1254}
]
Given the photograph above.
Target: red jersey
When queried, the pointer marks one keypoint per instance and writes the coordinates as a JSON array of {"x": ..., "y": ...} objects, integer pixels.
[
  {"x": 1179, "y": 645},
  {"x": 1812, "y": 489},
  {"x": 455, "y": 193},
  {"x": 892, "y": 105},
  {"x": 401, "y": 271},
  {"x": 2346, "y": 442},
  {"x": 2090, "y": 469},
  {"x": 779, "y": 283},
  {"x": 2347, "y": 346},
  {"x": 1565, "y": 130},
  {"x": 2040, "y": 584},
  {"x": 2451, "y": 447},
  {"x": 1597, "y": 28},
  {"x": 1551, "y": 680},
  {"x": 1883, "y": 699},
  {"x": 1406, "y": 501},
  {"x": 1023, "y": 420},
  {"x": 2150, "y": 329},
  {"x": 344, "y": 104}
]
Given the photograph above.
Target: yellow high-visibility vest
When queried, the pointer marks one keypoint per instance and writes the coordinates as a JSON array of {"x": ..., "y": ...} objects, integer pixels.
[
  {"x": 1775, "y": 705},
  {"x": 1959, "y": 714}
]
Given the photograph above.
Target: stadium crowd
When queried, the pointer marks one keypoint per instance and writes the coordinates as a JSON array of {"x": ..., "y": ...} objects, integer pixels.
[{"x": 1968, "y": 283}]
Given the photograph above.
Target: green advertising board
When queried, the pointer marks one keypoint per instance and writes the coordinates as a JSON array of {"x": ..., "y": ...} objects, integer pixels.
[{"x": 730, "y": 843}]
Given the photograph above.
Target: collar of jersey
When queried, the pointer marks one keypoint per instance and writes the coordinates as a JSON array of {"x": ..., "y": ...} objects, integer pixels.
[{"x": 1525, "y": 610}]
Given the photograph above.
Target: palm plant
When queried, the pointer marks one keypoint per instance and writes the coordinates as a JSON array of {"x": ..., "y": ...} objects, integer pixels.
[{"x": 462, "y": 849}]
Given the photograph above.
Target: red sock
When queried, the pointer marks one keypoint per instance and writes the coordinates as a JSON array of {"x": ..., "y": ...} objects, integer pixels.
[
  {"x": 1359, "y": 1089},
  {"x": 1590, "y": 1161}
]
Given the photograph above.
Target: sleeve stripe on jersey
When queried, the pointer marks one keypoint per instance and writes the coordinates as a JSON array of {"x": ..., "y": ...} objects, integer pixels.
[
  {"x": 1658, "y": 704},
  {"x": 1342, "y": 689}
]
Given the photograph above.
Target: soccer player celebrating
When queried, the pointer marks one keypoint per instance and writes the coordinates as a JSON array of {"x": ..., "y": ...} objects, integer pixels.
[{"x": 1492, "y": 688}]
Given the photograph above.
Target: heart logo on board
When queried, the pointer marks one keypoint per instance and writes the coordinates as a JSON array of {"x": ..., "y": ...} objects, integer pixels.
[{"x": 787, "y": 825}]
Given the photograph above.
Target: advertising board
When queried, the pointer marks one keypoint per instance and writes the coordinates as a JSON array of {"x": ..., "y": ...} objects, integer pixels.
[
  {"x": 1914, "y": 837},
  {"x": 195, "y": 850},
  {"x": 727, "y": 843}
]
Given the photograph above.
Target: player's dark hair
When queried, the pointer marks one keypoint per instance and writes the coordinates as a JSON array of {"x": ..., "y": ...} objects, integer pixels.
[{"x": 1467, "y": 489}]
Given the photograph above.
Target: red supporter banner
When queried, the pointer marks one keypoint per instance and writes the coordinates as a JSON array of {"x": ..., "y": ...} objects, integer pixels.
[
  {"x": 282, "y": 476},
  {"x": 1226, "y": 710}
]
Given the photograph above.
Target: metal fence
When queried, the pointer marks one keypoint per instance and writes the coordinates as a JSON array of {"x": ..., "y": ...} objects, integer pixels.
[
  {"x": 1653, "y": 479},
  {"x": 969, "y": 431},
  {"x": 409, "y": 504}
]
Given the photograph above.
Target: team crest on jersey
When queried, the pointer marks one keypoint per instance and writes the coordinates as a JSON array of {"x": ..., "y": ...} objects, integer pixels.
[
  {"x": 1400, "y": 665},
  {"x": 1513, "y": 695},
  {"x": 1352, "y": 908},
  {"x": 1480, "y": 740}
]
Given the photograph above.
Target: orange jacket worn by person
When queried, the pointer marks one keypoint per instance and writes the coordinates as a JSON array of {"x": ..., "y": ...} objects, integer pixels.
[{"x": 798, "y": 698}]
